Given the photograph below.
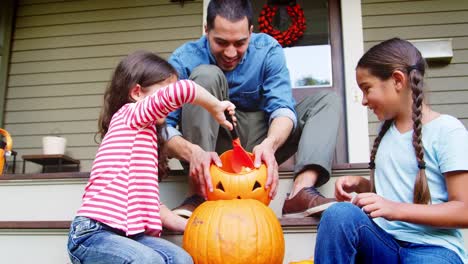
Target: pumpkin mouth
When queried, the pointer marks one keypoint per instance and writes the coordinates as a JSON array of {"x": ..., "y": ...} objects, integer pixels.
[{"x": 238, "y": 197}]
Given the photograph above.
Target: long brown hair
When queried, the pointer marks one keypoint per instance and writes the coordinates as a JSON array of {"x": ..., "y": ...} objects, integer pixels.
[
  {"x": 381, "y": 61},
  {"x": 143, "y": 68}
]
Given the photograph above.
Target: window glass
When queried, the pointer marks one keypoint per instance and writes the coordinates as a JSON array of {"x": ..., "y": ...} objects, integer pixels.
[{"x": 309, "y": 59}]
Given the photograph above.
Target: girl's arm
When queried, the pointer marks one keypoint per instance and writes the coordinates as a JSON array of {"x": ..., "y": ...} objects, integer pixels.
[
  {"x": 214, "y": 106},
  {"x": 160, "y": 104},
  {"x": 452, "y": 214},
  {"x": 170, "y": 220}
]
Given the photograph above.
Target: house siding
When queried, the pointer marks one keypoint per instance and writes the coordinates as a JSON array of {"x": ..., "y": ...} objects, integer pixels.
[
  {"x": 446, "y": 85},
  {"x": 62, "y": 57}
]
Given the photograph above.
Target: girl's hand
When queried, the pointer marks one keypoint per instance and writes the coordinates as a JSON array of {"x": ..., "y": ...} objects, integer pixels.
[
  {"x": 344, "y": 186},
  {"x": 376, "y": 206},
  {"x": 218, "y": 113},
  {"x": 172, "y": 221}
]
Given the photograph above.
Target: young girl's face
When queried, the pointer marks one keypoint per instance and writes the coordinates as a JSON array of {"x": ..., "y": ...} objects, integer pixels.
[
  {"x": 149, "y": 90},
  {"x": 380, "y": 96}
]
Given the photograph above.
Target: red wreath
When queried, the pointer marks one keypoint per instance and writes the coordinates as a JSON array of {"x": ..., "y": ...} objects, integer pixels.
[{"x": 292, "y": 34}]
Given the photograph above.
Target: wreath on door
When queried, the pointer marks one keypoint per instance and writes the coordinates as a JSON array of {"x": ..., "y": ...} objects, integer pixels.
[{"x": 289, "y": 36}]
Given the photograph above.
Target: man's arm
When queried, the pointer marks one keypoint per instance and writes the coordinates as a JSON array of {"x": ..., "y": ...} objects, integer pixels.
[
  {"x": 278, "y": 132},
  {"x": 180, "y": 148},
  {"x": 280, "y": 110}
]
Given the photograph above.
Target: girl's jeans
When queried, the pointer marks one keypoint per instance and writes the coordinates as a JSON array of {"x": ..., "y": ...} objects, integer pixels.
[
  {"x": 347, "y": 235},
  {"x": 90, "y": 241}
]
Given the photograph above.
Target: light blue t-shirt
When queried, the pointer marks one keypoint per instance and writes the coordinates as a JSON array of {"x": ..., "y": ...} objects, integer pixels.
[{"x": 445, "y": 141}]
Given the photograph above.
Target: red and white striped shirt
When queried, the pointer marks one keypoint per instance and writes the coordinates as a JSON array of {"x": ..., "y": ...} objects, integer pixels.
[{"x": 123, "y": 190}]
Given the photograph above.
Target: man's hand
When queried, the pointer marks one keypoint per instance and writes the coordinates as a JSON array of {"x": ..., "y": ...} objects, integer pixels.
[
  {"x": 265, "y": 152},
  {"x": 200, "y": 162}
]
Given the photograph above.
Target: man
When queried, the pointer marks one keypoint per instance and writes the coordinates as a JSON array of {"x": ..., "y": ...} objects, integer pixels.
[{"x": 250, "y": 70}]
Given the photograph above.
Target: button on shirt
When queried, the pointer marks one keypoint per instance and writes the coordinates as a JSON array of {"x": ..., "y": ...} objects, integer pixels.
[{"x": 260, "y": 82}]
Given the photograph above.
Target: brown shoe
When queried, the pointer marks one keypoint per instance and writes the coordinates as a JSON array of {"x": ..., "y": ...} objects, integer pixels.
[
  {"x": 188, "y": 205},
  {"x": 306, "y": 202}
]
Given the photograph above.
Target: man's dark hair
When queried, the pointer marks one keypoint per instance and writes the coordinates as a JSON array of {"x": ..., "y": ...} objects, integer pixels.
[{"x": 232, "y": 10}]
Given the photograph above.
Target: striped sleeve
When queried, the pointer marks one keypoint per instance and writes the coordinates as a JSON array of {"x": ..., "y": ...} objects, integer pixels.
[{"x": 160, "y": 104}]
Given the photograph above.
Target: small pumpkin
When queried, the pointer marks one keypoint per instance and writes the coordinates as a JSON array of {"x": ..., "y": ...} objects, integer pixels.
[
  {"x": 235, "y": 232},
  {"x": 248, "y": 184}
]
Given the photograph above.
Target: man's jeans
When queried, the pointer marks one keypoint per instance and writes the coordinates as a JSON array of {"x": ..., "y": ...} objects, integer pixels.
[
  {"x": 347, "y": 235},
  {"x": 92, "y": 242}
]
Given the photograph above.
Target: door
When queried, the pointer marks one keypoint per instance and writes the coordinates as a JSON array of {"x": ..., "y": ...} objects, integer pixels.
[{"x": 315, "y": 61}]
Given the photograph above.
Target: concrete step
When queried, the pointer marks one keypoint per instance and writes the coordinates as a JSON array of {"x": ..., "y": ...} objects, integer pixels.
[
  {"x": 57, "y": 196},
  {"x": 37, "y": 210},
  {"x": 45, "y": 241}
]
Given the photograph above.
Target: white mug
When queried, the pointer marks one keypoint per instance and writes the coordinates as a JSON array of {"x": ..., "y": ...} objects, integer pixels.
[{"x": 53, "y": 145}]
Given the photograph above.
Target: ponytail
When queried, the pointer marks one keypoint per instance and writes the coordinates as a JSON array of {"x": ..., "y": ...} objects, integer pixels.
[{"x": 421, "y": 193}]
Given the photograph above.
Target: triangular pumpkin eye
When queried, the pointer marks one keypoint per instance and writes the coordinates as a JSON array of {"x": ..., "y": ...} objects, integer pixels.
[
  {"x": 256, "y": 186},
  {"x": 220, "y": 186}
]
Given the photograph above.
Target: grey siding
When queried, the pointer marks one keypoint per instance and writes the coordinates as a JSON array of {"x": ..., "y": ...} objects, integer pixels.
[
  {"x": 63, "y": 54},
  {"x": 447, "y": 86}
]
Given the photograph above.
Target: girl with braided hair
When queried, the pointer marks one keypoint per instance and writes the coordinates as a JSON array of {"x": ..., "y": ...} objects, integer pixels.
[{"x": 410, "y": 209}]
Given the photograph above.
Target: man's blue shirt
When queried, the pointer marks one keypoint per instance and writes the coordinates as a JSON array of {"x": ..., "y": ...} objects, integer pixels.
[{"x": 260, "y": 82}]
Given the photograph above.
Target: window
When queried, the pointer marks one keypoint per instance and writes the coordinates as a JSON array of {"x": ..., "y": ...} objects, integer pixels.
[{"x": 315, "y": 61}]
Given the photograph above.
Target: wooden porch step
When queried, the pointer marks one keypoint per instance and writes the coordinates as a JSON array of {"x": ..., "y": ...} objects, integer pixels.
[{"x": 57, "y": 225}]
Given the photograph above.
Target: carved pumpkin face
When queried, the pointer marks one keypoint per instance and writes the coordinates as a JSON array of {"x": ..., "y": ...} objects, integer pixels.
[
  {"x": 248, "y": 184},
  {"x": 234, "y": 232}
]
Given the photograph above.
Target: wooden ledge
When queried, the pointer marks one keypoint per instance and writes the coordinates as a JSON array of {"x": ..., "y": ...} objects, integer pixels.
[
  {"x": 285, "y": 222},
  {"x": 35, "y": 224},
  {"x": 85, "y": 175}
]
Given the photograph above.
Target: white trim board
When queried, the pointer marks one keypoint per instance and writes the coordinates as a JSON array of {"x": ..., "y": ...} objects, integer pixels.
[{"x": 356, "y": 113}]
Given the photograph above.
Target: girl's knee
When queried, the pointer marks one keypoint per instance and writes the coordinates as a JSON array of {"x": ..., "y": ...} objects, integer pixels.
[{"x": 342, "y": 212}]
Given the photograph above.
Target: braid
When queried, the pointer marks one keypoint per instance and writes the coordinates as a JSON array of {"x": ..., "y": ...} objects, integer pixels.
[
  {"x": 386, "y": 125},
  {"x": 421, "y": 194}
]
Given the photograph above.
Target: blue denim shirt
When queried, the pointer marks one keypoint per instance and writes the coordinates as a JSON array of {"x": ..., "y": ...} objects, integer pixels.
[{"x": 259, "y": 82}]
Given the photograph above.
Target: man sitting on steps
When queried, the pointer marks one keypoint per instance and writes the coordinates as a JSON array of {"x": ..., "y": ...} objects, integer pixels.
[{"x": 250, "y": 70}]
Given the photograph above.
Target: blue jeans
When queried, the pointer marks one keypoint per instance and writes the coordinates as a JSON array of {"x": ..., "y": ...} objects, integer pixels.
[
  {"x": 347, "y": 235},
  {"x": 90, "y": 241}
]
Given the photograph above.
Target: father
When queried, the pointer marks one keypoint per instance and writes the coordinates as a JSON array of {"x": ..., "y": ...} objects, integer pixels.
[{"x": 250, "y": 70}]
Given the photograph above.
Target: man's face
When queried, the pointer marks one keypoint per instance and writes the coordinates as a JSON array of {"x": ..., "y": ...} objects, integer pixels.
[{"x": 228, "y": 41}]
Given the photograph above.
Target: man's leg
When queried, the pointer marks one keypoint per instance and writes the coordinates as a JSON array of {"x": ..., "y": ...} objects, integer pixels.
[
  {"x": 200, "y": 128},
  {"x": 315, "y": 140},
  {"x": 197, "y": 124}
]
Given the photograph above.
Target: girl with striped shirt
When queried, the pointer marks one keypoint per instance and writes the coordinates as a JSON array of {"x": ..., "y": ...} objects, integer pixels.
[{"x": 121, "y": 216}]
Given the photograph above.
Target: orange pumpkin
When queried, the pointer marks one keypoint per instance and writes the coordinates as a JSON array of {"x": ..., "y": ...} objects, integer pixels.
[
  {"x": 235, "y": 232},
  {"x": 248, "y": 184}
]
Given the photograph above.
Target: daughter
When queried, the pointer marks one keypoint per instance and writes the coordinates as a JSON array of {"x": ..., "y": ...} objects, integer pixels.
[
  {"x": 416, "y": 198},
  {"x": 121, "y": 217}
]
